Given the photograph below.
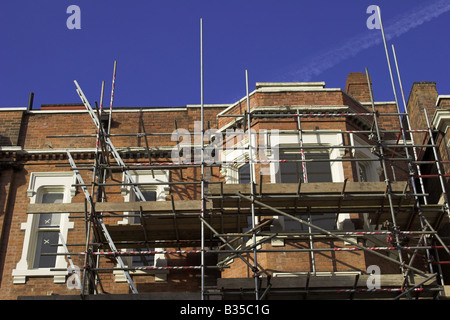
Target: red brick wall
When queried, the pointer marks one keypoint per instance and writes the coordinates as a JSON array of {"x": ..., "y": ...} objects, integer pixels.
[
  {"x": 274, "y": 262},
  {"x": 10, "y": 122},
  {"x": 357, "y": 86},
  {"x": 35, "y": 133},
  {"x": 13, "y": 244},
  {"x": 7, "y": 199},
  {"x": 38, "y": 126},
  {"x": 422, "y": 97}
]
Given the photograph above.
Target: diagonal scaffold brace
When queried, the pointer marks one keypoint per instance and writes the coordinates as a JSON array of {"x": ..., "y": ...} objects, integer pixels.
[
  {"x": 103, "y": 135},
  {"x": 102, "y": 224}
]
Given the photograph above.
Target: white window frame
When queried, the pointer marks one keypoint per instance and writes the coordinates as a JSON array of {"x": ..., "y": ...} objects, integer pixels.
[
  {"x": 41, "y": 182},
  {"x": 240, "y": 166},
  {"x": 236, "y": 158},
  {"x": 145, "y": 176},
  {"x": 162, "y": 191},
  {"x": 372, "y": 167},
  {"x": 231, "y": 171},
  {"x": 289, "y": 139},
  {"x": 321, "y": 138}
]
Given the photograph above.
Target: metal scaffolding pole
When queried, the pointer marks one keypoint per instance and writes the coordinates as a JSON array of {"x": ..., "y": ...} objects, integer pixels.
[
  {"x": 419, "y": 172},
  {"x": 383, "y": 148},
  {"x": 326, "y": 232},
  {"x": 104, "y": 139},
  {"x": 305, "y": 180},
  {"x": 252, "y": 187},
  {"x": 386, "y": 178},
  {"x": 403, "y": 131},
  {"x": 112, "y": 97},
  {"x": 302, "y": 153},
  {"x": 105, "y": 232},
  {"x": 409, "y": 125},
  {"x": 438, "y": 167},
  {"x": 203, "y": 200}
]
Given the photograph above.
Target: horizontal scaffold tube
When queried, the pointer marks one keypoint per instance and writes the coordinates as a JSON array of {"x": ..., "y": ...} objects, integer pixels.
[
  {"x": 142, "y": 268},
  {"x": 327, "y": 249},
  {"x": 141, "y": 253},
  {"x": 316, "y": 291},
  {"x": 312, "y": 114},
  {"x": 420, "y": 272}
]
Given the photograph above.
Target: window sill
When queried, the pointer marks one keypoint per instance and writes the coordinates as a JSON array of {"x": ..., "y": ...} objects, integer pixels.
[
  {"x": 20, "y": 276},
  {"x": 160, "y": 275}
]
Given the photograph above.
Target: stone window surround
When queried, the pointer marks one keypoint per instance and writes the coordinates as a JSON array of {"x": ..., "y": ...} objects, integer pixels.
[
  {"x": 41, "y": 182},
  {"x": 162, "y": 191},
  {"x": 322, "y": 138}
]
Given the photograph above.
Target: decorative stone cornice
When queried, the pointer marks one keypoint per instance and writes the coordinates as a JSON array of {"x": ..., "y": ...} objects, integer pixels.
[{"x": 441, "y": 120}]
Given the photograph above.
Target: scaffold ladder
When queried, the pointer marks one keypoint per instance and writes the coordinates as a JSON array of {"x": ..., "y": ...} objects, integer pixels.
[
  {"x": 113, "y": 150},
  {"x": 102, "y": 224}
]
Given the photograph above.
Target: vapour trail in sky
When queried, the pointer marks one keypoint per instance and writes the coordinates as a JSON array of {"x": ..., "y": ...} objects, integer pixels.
[{"x": 393, "y": 28}]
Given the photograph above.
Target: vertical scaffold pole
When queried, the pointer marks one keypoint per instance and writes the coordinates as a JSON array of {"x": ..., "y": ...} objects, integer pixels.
[
  {"x": 202, "y": 213},
  {"x": 402, "y": 130},
  {"x": 99, "y": 220},
  {"x": 425, "y": 201},
  {"x": 438, "y": 166},
  {"x": 112, "y": 97},
  {"x": 305, "y": 180},
  {"x": 419, "y": 172},
  {"x": 411, "y": 171},
  {"x": 252, "y": 187},
  {"x": 302, "y": 153},
  {"x": 109, "y": 143},
  {"x": 97, "y": 173},
  {"x": 386, "y": 178}
]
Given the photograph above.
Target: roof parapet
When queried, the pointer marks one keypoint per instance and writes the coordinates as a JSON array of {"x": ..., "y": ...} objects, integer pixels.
[{"x": 290, "y": 85}]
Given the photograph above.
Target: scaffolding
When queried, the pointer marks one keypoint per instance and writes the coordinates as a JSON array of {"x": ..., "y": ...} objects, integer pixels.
[{"x": 215, "y": 224}]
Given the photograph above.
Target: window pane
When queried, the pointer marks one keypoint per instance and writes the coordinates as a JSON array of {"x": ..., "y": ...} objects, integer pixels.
[
  {"x": 47, "y": 219},
  {"x": 325, "y": 221},
  {"x": 52, "y": 198},
  {"x": 317, "y": 171},
  {"x": 362, "y": 172},
  {"x": 144, "y": 260},
  {"x": 290, "y": 172},
  {"x": 148, "y": 196},
  {"x": 244, "y": 173},
  {"x": 46, "y": 243},
  {"x": 294, "y": 225}
]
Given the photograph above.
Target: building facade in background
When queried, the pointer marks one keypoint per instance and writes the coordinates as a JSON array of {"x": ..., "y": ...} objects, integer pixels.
[{"x": 327, "y": 187}]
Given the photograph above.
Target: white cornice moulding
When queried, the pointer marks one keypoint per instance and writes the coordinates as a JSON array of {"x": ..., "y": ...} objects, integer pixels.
[
  {"x": 438, "y": 100},
  {"x": 441, "y": 120},
  {"x": 32, "y": 188},
  {"x": 14, "y": 109}
]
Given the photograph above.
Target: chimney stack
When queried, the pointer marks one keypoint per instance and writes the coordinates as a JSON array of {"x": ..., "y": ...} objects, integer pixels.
[{"x": 357, "y": 87}]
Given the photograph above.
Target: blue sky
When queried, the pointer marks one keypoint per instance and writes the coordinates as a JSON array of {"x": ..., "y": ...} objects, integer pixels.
[{"x": 157, "y": 48}]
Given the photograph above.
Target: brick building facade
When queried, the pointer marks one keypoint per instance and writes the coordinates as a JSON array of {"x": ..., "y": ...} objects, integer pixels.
[{"x": 334, "y": 127}]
